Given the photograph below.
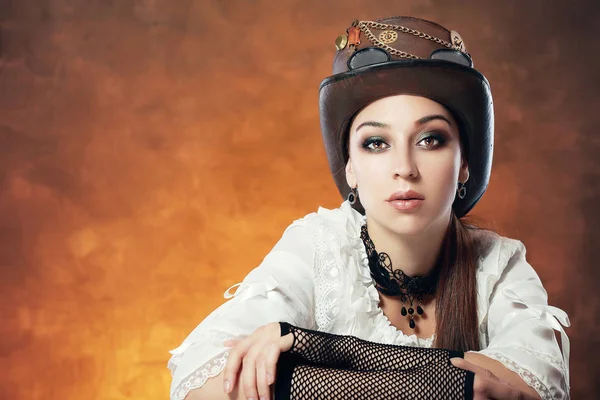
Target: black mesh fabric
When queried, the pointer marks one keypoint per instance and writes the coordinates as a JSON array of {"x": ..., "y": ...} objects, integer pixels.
[
  {"x": 349, "y": 352},
  {"x": 326, "y": 366}
]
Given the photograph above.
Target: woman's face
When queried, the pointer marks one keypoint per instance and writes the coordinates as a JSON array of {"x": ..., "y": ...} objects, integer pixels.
[{"x": 402, "y": 143}]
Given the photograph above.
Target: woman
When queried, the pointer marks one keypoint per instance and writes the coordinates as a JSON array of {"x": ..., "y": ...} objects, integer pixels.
[{"x": 351, "y": 302}]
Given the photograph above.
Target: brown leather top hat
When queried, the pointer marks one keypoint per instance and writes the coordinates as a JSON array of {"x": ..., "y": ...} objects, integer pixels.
[{"x": 404, "y": 55}]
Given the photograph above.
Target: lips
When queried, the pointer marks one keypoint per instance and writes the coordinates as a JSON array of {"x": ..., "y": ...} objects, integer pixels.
[
  {"x": 406, "y": 195},
  {"x": 406, "y": 201}
]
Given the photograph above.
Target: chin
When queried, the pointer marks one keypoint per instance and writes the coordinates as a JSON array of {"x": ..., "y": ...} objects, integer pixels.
[
  {"x": 409, "y": 224},
  {"x": 407, "y": 230}
]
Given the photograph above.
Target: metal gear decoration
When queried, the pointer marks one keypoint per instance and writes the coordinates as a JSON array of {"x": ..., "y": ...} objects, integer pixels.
[{"x": 388, "y": 36}]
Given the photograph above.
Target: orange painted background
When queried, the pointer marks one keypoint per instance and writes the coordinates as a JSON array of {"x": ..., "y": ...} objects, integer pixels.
[{"x": 152, "y": 152}]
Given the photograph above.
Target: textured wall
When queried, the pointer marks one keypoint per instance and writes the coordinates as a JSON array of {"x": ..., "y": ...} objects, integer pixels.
[{"x": 152, "y": 151}]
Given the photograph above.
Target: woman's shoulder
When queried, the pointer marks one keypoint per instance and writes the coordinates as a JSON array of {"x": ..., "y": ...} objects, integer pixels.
[
  {"x": 340, "y": 222},
  {"x": 491, "y": 244},
  {"x": 495, "y": 252}
]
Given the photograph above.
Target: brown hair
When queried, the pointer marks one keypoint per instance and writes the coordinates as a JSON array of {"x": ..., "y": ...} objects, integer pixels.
[{"x": 456, "y": 302}]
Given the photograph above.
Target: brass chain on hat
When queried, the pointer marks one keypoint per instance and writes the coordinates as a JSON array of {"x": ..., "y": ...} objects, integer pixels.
[
  {"x": 389, "y": 35},
  {"x": 384, "y": 46},
  {"x": 381, "y": 26}
]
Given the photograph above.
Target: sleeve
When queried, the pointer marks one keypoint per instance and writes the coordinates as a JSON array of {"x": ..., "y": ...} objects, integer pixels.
[
  {"x": 433, "y": 380},
  {"x": 328, "y": 350},
  {"x": 280, "y": 289},
  {"x": 521, "y": 327}
]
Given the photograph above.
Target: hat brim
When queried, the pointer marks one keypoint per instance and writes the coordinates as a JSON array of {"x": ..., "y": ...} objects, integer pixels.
[{"x": 462, "y": 90}]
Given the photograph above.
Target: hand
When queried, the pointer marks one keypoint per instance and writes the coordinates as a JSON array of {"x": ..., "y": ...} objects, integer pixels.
[
  {"x": 487, "y": 386},
  {"x": 258, "y": 355}
]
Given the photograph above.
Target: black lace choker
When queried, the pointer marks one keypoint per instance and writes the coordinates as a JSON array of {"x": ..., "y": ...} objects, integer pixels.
[{"x": 394, "y": 282}]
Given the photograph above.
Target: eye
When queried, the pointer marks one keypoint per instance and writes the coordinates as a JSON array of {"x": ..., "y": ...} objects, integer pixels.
[
  {"x": 375, "y": 144},
  {"x": 433, "y": 141}
]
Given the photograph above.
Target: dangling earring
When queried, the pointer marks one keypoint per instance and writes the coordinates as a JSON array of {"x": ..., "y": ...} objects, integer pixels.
[
  {"x": 462, "y": 190},
  {"x": 352, "y": 196}
]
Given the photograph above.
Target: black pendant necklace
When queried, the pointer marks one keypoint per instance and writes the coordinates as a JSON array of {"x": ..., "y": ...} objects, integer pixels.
[{"x": 394, "y": 282}]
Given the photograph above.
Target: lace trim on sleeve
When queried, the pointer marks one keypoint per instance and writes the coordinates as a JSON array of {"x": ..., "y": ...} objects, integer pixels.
[
  {"x": 199, "y": 377},
  {"x": 327, "y": 281},
  {"x": 173, "y": 363},
  {"x": 528, "y": 377}
]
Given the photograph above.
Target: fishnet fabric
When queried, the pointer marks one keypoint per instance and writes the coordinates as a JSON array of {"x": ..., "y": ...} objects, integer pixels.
[
  {"x": 321, "y": 365},
  {"x": 348, "y": 352},
  {"x": 431, "y": 381}
]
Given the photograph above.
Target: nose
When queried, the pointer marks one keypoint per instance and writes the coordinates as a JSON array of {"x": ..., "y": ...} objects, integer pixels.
[{"x": 404, "y": 165}]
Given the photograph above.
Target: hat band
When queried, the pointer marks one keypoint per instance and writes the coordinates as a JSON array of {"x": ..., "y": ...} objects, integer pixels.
[{"x": 389, "y": 35}]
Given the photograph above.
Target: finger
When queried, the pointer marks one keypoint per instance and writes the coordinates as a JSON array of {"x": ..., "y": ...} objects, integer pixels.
[
  {"x": 261, "y": 380},
  {"x": 463, "y": 364},
  {"x": 271, "y": 357},
  {"x": 487, "y": 385},
  {"x": 234, "y": 362},
  {"x": 231, "y": 342},
  {"x": 248, "y": 376},
  {"x": 286, "y": 342},
  {"x": 476, "y": 369},
  {"x": 497, "y": 390}
]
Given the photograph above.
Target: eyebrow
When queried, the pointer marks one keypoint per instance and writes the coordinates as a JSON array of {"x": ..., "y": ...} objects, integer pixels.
[
  {"x": 420, "y": 121},
  {"x": 428, "y": 118},
  {"x": 373, "y": 124}
]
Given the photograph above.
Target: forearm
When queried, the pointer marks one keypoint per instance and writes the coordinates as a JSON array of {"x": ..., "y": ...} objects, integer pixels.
[
  {"x": 348, "y": 352},
  {"x": 500, "y": 371},
  {"x": 441, "y": 380},
  {"x": 213, "y": 389}
]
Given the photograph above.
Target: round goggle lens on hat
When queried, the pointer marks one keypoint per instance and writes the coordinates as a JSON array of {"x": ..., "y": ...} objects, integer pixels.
[
  {"x": 368, "y": 56},
  {"x": 454, "y": 56},
  {"x": 375, "y": 55}
]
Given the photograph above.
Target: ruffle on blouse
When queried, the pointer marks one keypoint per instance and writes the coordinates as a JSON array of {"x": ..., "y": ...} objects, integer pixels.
[{"x": 362, "y": 317}]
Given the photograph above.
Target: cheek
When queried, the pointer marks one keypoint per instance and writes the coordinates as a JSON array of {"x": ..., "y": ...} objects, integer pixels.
[
  {"x": 372, "y": 176},
  {"x": 369, "y": 171},
  {"x": 442, "y": 172}
]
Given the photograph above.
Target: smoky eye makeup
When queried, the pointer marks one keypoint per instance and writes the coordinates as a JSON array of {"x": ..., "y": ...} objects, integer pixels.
[
  {"x": 441, "y": 134},
  {"x": 440, "y": 137},
  {"x": 374, "y": 143}
]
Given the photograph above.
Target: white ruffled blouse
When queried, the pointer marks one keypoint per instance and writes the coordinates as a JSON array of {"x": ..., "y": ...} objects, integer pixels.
[{"x": 317, "y": 276}]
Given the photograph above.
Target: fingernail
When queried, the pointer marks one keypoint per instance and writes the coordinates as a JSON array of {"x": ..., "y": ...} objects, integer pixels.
[
  {"x": 227, "y": 385},
  {"x": 263, "y": 398},
  {"x": 250, "y": 398}
]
